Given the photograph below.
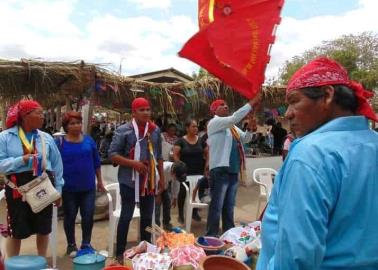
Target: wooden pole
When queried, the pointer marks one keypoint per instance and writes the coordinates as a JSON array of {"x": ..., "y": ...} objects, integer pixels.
[
  {"x": 68, "y": 104},
  {"x": 3, "y": 114},
  {"x": 58, "y": 123}
]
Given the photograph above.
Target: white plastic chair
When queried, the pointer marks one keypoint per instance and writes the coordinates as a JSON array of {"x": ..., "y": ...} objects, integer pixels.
[
  {"x": 54, "y": 236},
  {"x": 264, "y": 178},
  {"x": 115, "y": 213},
  {"x": 190, "y": 205}
]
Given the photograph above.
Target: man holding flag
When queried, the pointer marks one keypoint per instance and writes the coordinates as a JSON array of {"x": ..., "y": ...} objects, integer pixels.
[{"x": 226, "y": 161}]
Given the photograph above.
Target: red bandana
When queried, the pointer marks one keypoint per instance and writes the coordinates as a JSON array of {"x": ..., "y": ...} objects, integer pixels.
[
  {"x": 324, "y": 71},
  {"x": 216, "y": 103},
  {"x": 19, "y": 110},
  {"x": 139, "y": 103}
]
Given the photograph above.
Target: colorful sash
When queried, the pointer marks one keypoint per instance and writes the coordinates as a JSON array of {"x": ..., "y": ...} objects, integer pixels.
[
  {"x": 29, "y": 148},
  {"x": 150, "y": 181},
  {"x": 148, "y": 185},
  {"x": 236, "y": 136}
]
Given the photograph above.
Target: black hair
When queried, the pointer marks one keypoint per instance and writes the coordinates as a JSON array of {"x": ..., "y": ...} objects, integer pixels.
[
  {"x": 344, "y": 96},
  {"x": 188, "y": 122},
  {"x": 171, "y": 125}
]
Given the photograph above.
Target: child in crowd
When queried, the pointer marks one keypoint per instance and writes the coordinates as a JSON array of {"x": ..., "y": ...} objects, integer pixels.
[
  {"x": 203, "y": 189},
  {"x": 174, "y": 174}
]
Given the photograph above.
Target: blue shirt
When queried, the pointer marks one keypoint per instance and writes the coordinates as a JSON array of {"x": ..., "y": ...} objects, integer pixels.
[
  {"x": 123, "y": 142},
  {"x": 234, "y": 158},
  {"x": 323, "y": 210},
  {"x": 80, "y": 162},
  {"x": 220, "y": 137},
  {"x": 11, "y": 154}
]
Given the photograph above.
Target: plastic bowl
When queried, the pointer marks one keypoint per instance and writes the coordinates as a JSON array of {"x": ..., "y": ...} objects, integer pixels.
[
  {"x": 218, "y": 262},
  {"x": 214, "y": 246}
]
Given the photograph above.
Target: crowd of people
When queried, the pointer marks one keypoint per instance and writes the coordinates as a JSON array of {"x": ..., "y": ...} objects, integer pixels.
[{"x": 321, "y": 195}]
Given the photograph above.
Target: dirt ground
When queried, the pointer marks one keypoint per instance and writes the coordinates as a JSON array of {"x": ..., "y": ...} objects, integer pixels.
[{"x": 245, "y": 211}]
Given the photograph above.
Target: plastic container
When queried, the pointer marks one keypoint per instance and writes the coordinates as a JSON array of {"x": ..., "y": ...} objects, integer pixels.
[
  {"x": 25, "y": 262},
  {"x": 211, "y": 245},
  {"x": 89, "y": 262},
  {"x": 218, "y": 262},
  {"x": 117, "y": 267}
]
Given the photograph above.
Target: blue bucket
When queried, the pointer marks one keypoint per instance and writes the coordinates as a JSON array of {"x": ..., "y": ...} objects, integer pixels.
[
  {"x": 89, "y": 262},
  {"x": 25, "y": 262}
]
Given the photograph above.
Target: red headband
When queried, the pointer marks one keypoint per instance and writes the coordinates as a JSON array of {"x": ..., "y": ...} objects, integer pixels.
[
  {"x": 324, "y": 71},
  {"x": 216, "y": 103},
  {"x": 19, "y": 110},
  {"x": 139, "y": 103}
]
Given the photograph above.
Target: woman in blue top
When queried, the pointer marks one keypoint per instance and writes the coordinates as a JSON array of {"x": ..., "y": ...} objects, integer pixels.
[
  {"x": 81, "y": 166},
  {"x": 20, "y": 161}
]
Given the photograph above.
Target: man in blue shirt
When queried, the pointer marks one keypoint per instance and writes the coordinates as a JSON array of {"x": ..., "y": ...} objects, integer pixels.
[
  {"x": 226, "y": 161},
  {"x": 322, "y": 213}
]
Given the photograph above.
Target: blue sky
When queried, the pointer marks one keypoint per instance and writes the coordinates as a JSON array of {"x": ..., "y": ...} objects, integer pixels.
[{"x": 145, "y": 35}]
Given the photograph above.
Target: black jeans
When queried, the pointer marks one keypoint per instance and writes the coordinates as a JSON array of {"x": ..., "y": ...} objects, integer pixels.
[
  {"x": 72, "y": 201},
  {"x": 146, "y": 205},
  {"x": 166, "y": 203}
]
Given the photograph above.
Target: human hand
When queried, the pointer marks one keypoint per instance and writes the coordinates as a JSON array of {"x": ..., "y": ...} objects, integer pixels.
[
  {"x": 207, "y": 171},
  {"x": 255, "y": 102},
  {"x": 100, "y": 186},
  {"x": 140, "y": 167},
  {"x": 58, "y": 202},
  {"x": 158, "y": 199},
  {"x": 26, "y": 158},
  {"x": 174, "y": 203}
]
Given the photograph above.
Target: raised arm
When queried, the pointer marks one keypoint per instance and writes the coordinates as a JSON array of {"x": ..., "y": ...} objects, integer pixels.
[{"x": 220, "y": 123}]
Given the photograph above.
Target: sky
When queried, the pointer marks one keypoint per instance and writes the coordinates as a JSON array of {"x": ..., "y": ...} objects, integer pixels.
[{"x": 139, "y": 36}]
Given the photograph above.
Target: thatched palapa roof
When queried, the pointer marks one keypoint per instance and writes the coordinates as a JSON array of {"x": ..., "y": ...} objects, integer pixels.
[{"x": 52, "y": 83}]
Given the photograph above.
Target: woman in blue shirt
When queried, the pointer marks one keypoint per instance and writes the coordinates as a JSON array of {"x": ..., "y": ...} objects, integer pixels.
[
  {"x": 81, "y": 166},
  {"x": 20, "y": 161}
]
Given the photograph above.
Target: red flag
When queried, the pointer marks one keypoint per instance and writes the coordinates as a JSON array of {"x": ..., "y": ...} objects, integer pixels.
[
  {"x": 235, "y": 45},
  {"x": 205, "y": 12}
]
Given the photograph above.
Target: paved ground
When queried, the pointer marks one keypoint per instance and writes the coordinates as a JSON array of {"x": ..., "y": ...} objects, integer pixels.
[{"x": 245, "y": 211}]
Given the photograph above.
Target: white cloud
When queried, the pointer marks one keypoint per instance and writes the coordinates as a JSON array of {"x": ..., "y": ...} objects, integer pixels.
[
  {"x": 43, "y": 29},
  {"x": 296, "y": 36},
  {"x": 146, "y": 4},
  {"x": 150, "y": 46}
]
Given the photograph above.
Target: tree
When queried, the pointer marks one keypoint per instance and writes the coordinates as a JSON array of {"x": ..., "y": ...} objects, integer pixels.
[
  {"x": 357, "y": 53},
  {"x": 201, "y": 74}
]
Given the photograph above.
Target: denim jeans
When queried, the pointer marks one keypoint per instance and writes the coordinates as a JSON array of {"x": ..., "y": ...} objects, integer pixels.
[
  {"x": 146, "y": 205},
  {"x": 72, "y": 202},
  {"x": 166, "y": 203},
  {"x": 223, "y": 189}
]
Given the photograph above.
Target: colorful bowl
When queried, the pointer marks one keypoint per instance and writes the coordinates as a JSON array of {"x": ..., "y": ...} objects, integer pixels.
[
  {"x": 214, "y": 245},
  {"x": 218, "y": 262}
]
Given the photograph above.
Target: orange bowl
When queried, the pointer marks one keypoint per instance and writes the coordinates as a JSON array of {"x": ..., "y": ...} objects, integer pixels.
[{"x": 219, "y": 262}]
